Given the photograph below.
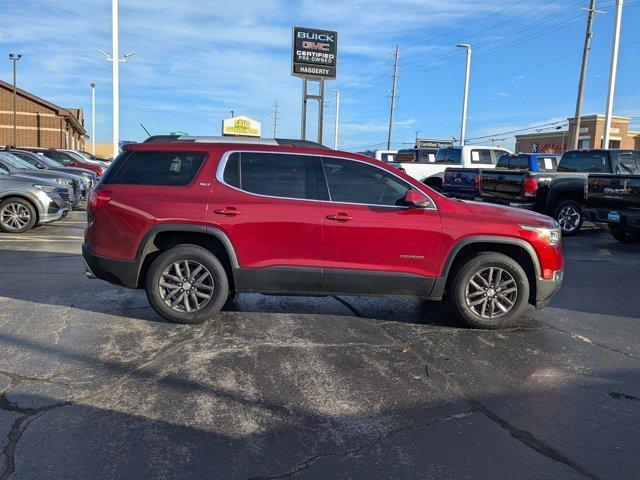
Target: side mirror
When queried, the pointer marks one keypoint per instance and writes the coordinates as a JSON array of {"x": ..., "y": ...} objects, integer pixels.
[
  {"x": 41, "y": 166},
  {"x": 416, "y": 198}
]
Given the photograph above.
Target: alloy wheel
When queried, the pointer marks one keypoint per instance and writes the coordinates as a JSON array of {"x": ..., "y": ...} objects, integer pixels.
[
  {"x": 569, "y": 218},
  {"x": 15, "y": 216},
  {"x": 491, "y": 292},
  {"x": 186, "y": 286}
]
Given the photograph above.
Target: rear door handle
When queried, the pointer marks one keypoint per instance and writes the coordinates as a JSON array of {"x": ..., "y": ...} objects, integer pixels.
[
  {"x": 228, "y": 211},
  {"x": 340, "y": 217}
]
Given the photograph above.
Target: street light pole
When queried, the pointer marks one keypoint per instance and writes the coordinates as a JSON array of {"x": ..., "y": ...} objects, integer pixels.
[
  {"x": 335, "y": 128},
  {"x": 93, "y": 118},
  {"x": 465, "y": 98},
  {"x": 14, "y": 57},
  {"x": 612, "y": 73},
  {"x": 115, "y": 58}
]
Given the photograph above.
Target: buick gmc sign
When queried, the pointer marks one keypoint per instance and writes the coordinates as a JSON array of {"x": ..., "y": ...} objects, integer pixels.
[{"x": 315, "y": 53}]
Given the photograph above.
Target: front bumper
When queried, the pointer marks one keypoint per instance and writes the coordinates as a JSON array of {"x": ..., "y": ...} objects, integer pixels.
[
  {"x": 119, "y": 272},
  {"x": 546, "y": 289}
]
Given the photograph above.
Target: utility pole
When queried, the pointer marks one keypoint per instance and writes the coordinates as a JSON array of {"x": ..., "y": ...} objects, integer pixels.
[
  {"x": 14, "y": 57},
  {"x": 93, "y": 118},
  {"x": 612, "y": 75},
  {"x": 465, "y": 97},
  {"x": 275, "y": 119},
  {"x": 115, "y": 59},
  {"x": 591, "y": 13},
  {"x": 394, "y": 95},
  {"x": 335, "y": 127}
]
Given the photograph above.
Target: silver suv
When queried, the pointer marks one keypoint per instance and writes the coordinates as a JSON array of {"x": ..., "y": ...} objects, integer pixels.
[{"x": 27, "y": 201}]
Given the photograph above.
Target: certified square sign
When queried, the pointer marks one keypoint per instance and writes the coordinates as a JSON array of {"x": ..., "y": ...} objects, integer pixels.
[{"x": 315, "y": 53}]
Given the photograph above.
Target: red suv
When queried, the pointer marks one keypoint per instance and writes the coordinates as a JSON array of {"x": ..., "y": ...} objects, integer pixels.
[{"x": 196, "y": 220}]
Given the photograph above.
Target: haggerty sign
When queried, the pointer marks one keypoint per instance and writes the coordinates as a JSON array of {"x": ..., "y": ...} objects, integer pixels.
[
  {"x": 315, "y": 53},
  {"x": 241, "y": 127}
]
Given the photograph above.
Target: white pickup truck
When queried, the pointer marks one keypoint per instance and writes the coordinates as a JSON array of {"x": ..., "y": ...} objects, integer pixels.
[{"x": 430, "y": 169}]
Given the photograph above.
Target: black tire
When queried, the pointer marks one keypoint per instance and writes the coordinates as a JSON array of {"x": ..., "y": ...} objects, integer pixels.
[
  {"x": 217, "y": 286},
  {"x": 18, "y": 205},
  {"x": 572, "y": 224},
  {"x": 624, "y": 235},
  {"x": 462, "y": 282}
]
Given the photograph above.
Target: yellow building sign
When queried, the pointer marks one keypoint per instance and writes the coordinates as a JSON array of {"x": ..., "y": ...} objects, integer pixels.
[{"x": 241, "y": 127}]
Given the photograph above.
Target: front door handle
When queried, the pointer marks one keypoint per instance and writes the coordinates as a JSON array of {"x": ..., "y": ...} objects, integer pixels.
[
  {"x": 228, "y": 211},
  {"x": 340, "y": 217}
]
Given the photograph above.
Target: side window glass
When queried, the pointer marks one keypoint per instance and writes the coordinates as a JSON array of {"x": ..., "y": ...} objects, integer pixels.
[
  {"x": 481, "y": 156},
  {"x": 277, "y": 175},
  {"x": 628, "y": 163},
  {"x": 503, "y": 162},
  {"x": 351, "y": 181}
]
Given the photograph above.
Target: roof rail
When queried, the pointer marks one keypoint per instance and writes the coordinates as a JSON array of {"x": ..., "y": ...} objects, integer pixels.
[{"x": 244, "y": 140}]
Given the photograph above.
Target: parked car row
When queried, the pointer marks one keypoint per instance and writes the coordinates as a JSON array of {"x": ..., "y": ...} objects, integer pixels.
[
  {"x": 598, "y": 185},
  {"x": 36, "y": 189}
]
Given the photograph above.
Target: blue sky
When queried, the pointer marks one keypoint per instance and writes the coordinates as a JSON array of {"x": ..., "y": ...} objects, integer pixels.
[{"x": 197, "y": 60}]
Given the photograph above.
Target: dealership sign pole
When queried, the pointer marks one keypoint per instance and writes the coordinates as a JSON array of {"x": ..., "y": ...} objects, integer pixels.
[{"x": 314, "y": 58}]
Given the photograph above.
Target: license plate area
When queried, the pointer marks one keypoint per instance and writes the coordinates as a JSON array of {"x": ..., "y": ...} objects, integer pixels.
[{"x": 613, "y": 216}]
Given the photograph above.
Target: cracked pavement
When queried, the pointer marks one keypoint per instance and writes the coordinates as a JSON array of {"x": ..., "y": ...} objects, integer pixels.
[{"x": 94, "y": 384}]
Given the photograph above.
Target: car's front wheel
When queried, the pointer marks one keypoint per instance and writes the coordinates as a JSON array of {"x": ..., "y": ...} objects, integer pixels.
[
  {"x": 187, "y": 284},
  {"x": 17, "y": 215},
  {"x": 491, "y": 290}
]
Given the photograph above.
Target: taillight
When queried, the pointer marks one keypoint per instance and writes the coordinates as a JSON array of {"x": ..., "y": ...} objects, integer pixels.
[
  {"x": 530, "y": 187},
  {"x": 99, "y": 198},
  {"x": 477, "y": 181}
]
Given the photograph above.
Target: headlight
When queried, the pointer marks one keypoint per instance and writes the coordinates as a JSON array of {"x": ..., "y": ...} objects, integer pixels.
[
  {"x": 550, "y": 235},
  {"x": 45, "y": 188}
]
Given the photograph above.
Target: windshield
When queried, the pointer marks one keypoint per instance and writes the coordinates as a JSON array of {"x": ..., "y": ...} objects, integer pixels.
[{"x": 15, "y": 162}]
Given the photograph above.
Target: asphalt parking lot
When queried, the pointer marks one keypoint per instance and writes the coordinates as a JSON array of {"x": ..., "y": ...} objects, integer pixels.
[{"x": 95, "y": 385}]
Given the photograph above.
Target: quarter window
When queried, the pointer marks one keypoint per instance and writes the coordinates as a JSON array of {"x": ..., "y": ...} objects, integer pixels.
[{"x": 356, "y": 182}]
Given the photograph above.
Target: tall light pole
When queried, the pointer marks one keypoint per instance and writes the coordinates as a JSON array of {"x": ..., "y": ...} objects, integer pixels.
[
  {"x": 465, "y": 97},
  {"x": 14, "y": 57},
  {"x": 417, "y": 132},
  {"x": 93, "y": 118},
  {"x": 115, "y": 59},
  {"x": 335, "y": 127},
  {"x": 612, "y": 75}
]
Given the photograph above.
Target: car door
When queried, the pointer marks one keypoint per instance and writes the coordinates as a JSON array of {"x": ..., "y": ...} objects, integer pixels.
[
  {"x": 267, "y": 204},
  {"x": 372, "y": 241}
]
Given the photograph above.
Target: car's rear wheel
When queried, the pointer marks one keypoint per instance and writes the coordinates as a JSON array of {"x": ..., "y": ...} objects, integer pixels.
[
  {"x": 569, "y": 215},
  {"x": 624, "y": 235},
  {"x": 187, "y": 284},
  {"x": 491, "y": 290},
  {"x": 17, "y": 215}
]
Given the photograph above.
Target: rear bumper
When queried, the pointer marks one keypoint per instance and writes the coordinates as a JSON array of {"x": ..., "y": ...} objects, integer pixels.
[
  {"x": 546, "y": 289},
  {"x": 120, "y": 272},
  {"x": 627, "y": 218}
]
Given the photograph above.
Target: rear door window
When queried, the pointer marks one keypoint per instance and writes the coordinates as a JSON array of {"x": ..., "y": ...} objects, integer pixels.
[
  {"x": 481, "y": 155},
  {"x": 547, "y": 164},
  {"x": 272, "y": 174},
  {"x": 138, "y": 167},
  {"x": 628, "y": 163}
]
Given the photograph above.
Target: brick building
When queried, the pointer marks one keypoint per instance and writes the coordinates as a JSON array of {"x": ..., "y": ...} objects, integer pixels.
[
  {"x": 39, "y": 123},
  {"x": 591, "y": 135}
]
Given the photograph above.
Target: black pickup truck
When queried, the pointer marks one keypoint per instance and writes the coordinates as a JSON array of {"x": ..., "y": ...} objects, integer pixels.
[
  {"x": 615, "y": 200},
  {"x": 557, "y": 194}
]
